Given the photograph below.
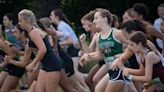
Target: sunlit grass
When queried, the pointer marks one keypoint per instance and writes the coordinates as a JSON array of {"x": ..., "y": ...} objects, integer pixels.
[{"x": 59, "y": 89}]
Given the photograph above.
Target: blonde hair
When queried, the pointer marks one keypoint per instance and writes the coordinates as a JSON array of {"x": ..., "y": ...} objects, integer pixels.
[{"x": 28, "y": 16}]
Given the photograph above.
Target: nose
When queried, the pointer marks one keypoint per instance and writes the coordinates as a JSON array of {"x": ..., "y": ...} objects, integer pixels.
[
  {"x": 83, "y": 26},
  {"x": 94, "y": 21},
  {"x": 51, "y": 17}
]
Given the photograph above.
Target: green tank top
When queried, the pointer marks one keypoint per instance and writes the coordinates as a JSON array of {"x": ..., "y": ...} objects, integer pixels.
[{"x": 109, "y": 46}]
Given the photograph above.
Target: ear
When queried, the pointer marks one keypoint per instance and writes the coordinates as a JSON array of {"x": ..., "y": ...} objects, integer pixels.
[
  {"x": 140, "y": 44},
  {"x": 106, "y": 19}
]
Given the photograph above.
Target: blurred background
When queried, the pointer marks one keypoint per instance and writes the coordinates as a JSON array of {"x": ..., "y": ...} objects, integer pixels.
[{"x": 75, "y": 9}]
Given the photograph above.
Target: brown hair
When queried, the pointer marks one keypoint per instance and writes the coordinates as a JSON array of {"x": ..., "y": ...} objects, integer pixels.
[
  {"x": 45, "y": 23},
  {"x": 61, "y": 15},
  {"x": 115, "y": 22},
  {"x": 139, "y": 37},
  {"x": 105, "y": 13},
  {"x": 129, "y": 11},
  {"x": 89, "y": 16},
  {"x": 161, "y": 5}
]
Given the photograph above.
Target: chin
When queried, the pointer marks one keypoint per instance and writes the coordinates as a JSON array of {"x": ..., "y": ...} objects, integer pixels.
[
  {"x": 86, "y": 29},
  {"x": 97, "y": 26},
  {"x": 23, "y": 28}
]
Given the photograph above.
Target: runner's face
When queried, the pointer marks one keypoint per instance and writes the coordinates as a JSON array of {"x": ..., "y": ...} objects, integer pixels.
[
  {"x": 99, "y": 21},
  {"x": 6, "y": 21},
  {"x": 17, "y": 33},
  {"x": 86, "y": 25},
  {"x": 53, "y": 17},
  {"x": 135, "y": 15},
  {"x": 22, "y": 22},
  {"x": 134, "y": 47},
  {"x": 126, "y": 17}
]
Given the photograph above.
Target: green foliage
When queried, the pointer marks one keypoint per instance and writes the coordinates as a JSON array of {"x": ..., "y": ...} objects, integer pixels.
[
  {"x": 87, "y": 67},
  {"x": 71, "y": 8},
  {"x": 14, "y": 6},
  {"x": 59, "y": 89},
  {"x": 75, "y": 9}
]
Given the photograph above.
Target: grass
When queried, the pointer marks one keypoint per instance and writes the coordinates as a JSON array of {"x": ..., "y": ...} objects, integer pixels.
[
  {"x": 59, "y": 89},
  {"x": 87, "y": 67}
]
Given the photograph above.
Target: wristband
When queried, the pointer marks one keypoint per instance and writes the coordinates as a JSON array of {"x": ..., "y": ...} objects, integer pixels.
[
  {"x": 130, "y": 77},
  {"x": 122, "y": 59}
]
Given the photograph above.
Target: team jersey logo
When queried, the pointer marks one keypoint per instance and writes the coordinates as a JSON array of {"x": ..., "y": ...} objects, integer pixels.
[{"x": 105, "y": 47}]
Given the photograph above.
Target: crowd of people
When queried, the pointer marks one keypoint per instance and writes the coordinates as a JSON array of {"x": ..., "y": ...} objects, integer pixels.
[{"x": 40, "y": 55}]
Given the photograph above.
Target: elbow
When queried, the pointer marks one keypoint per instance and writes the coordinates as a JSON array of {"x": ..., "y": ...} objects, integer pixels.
[
  {"x": 43, "y": 51},
  {"x": 141, "y": 72},
  {"x": 147, "y": 80}
]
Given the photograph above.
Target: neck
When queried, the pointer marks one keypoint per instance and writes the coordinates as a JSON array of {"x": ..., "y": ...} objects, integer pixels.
[
  {"x": 106, "y": 29},
  {"x": 143, "y": 51},
  {"x": 57, "y": 22},
  {"x": 10, "y": 26},
  {"x": 29, "y": 28}
]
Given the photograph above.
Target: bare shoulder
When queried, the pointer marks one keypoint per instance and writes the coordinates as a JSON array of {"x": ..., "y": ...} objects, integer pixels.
[
  {"x": 150, "y": 28},
  {"x": 152, "y": 56},
  {"x": 37, "y": 32},
  {"x": 117, "y": 33},
  {"x": 119, "y": 36},
  {"x": 34, "y": 31}
]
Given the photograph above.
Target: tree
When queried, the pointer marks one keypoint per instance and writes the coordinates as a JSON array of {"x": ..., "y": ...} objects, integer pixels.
[
  {"x": 42, "y": 8},
  {"x": 13, "y": 6}
]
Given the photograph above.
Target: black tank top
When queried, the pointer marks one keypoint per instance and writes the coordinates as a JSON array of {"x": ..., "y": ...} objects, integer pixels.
[
  {"x": 49, "y": 54},
  {"x": 158, "y": 70}
]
